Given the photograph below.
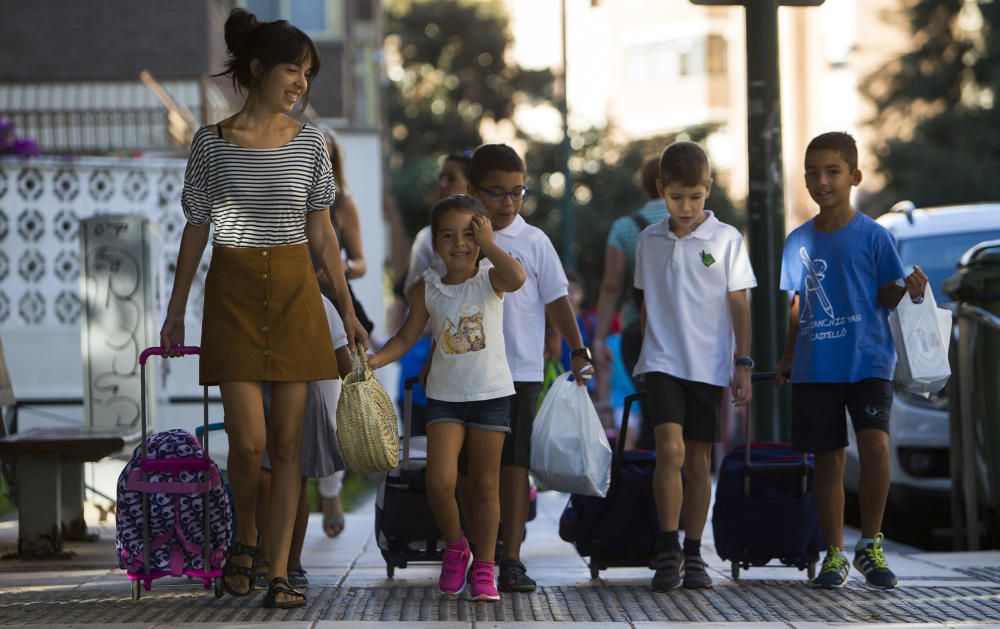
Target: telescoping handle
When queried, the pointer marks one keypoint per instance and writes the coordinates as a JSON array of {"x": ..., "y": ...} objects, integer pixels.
[
  {"x": 804, "y": 463},
  {"x": 177, "y": 350},
  {"x": 754, "y": 377},
  {"x": 619, "y": 458},
  {"x": 408, "y": 417},
  {"x": 146, "y": 465}
]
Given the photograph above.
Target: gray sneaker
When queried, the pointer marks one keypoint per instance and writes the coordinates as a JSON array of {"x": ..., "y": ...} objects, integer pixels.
[
  {"x": 669, "y": 566},
  {"x": 834, "y": 572},
  {"x": 870, "y": 561},
  {"x": 696, "y": 573}
]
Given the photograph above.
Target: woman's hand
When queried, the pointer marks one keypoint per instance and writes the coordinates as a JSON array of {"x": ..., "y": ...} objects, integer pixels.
[{"x": 172, "y": 332}]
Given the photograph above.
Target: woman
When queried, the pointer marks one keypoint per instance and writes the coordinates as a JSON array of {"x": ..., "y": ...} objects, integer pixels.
[
  {"x": 347, "y": 223},
  {"x": 264, "y": 181}
]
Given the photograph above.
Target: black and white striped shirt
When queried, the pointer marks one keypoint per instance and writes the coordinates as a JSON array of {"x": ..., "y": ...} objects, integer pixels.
[{"x": 257, "y": 197}]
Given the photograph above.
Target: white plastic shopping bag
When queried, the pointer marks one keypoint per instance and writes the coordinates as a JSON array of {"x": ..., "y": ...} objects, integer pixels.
[
  {"x": 922, "y": 333},
  {"x": 569, "y": 450}
]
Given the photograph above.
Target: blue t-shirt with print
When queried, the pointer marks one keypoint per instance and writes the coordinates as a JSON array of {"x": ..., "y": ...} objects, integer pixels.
[{"x": 843, "y": 330}]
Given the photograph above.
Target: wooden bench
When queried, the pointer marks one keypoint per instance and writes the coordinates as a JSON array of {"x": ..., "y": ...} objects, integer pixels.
[{"x": 50, "y": 483}]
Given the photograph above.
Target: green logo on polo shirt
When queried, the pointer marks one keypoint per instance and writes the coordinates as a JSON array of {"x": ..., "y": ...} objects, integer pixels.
[{"x": 706, "y": 258}]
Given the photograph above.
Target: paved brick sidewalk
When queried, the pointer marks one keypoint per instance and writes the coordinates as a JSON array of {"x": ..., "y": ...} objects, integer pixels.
[{"x": 349, "y": 587}]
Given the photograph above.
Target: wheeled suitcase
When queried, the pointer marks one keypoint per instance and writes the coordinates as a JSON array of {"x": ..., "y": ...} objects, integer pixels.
[
  {"x": 405, "y": 529},
  {"x": 620, "y": 529},
  {"x": 174, "y": 516},
  {"x": 764, "y": 506}
]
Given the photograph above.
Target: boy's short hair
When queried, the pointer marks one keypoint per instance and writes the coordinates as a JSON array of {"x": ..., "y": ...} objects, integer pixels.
[
  {"x": 685, "y": 163},
  {"x": 840, "y": 142},
  {"x": 490, "y": 157},
  {"x": 461, "y": 202},
  {"x": 647, "y": 175}
]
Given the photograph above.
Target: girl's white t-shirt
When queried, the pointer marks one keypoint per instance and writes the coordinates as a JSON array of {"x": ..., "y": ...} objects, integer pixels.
[{"x": 470, "y": 362}]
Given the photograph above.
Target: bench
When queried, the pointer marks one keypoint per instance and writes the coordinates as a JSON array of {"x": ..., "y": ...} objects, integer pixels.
[{"x": 50, "y": 484}]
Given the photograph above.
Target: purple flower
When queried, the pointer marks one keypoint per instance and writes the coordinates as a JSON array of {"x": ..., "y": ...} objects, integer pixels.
[
  {"x": 25, "y": 147},
  {"x": 10, "y": 144}
]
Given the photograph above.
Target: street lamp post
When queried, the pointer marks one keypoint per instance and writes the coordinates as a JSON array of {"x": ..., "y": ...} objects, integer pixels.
[
  {"x": 568, "y": 210},
  {"x": 765, "y": 202}
]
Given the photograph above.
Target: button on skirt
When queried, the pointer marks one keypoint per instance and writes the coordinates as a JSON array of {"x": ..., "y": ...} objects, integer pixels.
[{"x": 264, "y": 319}]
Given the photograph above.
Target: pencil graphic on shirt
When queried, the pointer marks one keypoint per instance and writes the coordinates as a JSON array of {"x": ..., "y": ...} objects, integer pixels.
[{"x": 814, "y": 284}]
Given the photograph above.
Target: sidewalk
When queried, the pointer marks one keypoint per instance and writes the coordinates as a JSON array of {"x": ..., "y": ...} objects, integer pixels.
[{"x": 349, "y": 587}]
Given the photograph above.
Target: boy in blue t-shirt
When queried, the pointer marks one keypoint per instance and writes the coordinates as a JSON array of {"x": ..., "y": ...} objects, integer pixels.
[{"x": 844, "y": 273}]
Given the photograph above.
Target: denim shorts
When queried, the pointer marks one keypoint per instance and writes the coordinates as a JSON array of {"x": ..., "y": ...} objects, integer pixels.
[{"x": 493, "y": 415}]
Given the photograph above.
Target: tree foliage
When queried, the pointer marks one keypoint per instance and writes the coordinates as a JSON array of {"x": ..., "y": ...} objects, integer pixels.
[
  {"x": 936, "y": 114},
  {"x": 449, "y": 72},
  {"x": 604, "y": 188},
  {"x": 452, "y": 73}
]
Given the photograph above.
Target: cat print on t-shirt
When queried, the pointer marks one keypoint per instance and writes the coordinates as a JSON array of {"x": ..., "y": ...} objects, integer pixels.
[{"x": 465, "y": 336}]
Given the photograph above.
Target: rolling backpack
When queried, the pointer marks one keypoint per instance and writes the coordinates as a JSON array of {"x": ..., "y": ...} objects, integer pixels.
[{"x": 180, "y": 477}]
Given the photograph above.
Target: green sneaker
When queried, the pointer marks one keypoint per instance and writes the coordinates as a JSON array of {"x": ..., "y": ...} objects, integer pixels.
[
  {"x": 833, "y": 574},
  {"x": 870, "y": 561}
]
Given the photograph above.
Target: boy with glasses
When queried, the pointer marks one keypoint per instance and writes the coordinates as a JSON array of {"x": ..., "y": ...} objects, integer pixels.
[{"x": 497, "y": 179}]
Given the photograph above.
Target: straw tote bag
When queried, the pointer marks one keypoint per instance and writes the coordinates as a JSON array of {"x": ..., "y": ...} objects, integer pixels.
[{"x": 366, "y": 421}]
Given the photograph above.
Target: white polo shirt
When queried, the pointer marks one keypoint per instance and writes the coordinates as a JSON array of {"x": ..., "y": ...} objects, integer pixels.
[
  {"x": 524, "y": 309},
  {"x": 686, "y": 283}
]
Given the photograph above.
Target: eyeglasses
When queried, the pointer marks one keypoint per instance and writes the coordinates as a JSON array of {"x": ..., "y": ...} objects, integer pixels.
[{"x": 499, "y": 194}]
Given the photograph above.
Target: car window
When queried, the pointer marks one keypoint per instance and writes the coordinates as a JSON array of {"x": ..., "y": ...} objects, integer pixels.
[{"x": 938, "y": 255}]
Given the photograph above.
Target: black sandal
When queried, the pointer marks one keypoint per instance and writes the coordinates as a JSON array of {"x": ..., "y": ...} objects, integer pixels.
[
  {"x": 233, "y": 570},
  {"x": 279, "y": 585}
]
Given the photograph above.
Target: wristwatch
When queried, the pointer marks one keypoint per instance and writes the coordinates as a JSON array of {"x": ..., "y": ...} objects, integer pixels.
[
  {"x": 744, "y": 361},
  {"x": 583, "y": 351}
]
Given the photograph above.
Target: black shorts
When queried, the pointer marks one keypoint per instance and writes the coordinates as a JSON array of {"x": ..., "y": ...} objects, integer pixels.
[
  {"x": 818, "y": 412},
  {"x": 517, "y": 445},
  {"x": 696, "y": 406}
]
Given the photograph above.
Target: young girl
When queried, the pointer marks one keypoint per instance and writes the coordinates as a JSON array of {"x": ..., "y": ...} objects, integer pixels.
[
  {"x": 469, "y": 382},
  {"x": 263, "y": 180}
]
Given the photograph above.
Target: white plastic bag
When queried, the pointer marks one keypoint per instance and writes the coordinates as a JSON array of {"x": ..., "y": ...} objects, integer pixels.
[
  {"x": 922, "y": 333},
  {"x": 569, "y": 450}
]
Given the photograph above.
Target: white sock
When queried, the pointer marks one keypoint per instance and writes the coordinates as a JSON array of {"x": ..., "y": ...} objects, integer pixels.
[{"x": 863, "y": 543}]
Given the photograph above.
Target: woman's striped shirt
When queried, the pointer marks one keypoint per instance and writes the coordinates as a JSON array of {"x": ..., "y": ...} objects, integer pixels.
[{"x": 257, "y": 197}]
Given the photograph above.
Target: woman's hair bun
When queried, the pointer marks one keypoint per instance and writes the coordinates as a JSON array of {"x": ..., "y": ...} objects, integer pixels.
[{"x": 240, "y": 24}]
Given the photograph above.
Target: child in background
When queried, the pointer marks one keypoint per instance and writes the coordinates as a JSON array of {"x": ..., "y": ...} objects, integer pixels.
[
  {"x": 319, "y": 456},
  {"x": 469, "y": 384}
]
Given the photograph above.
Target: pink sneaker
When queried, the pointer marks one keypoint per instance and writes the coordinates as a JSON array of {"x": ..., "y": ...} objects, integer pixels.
[
  {"x": 484, "y": 585},
  {"x": 457, "y": 559}
]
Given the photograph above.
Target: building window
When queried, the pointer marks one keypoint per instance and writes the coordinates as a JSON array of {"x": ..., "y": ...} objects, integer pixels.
[
  {"x": 323, "y": 20},
  {"x": 665, "y": 60},
  {"x": 718, "y": 55}
]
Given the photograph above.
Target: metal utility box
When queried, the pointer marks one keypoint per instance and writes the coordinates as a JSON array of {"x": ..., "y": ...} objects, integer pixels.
[{"x": 121, "y": 287}]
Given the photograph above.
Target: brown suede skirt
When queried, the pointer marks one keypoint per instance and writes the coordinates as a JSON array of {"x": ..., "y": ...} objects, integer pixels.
[{"x": 264, "y": 319}]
